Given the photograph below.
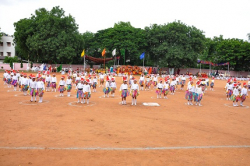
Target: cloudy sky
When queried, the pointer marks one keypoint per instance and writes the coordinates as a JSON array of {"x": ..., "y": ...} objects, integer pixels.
[{"x": 229, "y": 18}]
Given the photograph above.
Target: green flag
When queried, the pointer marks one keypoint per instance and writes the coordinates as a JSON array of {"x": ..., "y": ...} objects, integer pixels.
[
  {"x": 122, "y": 52},
  {"x": 59, "y": 68}
]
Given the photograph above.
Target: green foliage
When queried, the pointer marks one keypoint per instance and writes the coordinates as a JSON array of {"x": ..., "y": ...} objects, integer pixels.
[
  {"x": 1, "y": 34},
  {"x": 174, "y": 44},
  {"x": 31, "y": 64},
  {"x": 10, "y": 59},
  {"x": 21, "y": 65},
  {"x": 48, "y": 36}
]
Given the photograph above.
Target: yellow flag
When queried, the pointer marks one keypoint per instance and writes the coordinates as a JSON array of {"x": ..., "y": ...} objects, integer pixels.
[{"x": 83, "y": 53}]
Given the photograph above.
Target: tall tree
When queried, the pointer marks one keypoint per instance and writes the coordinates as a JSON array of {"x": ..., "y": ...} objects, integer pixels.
[
  {"x": 49, "y": 36},
  {"x": 174, "y": 44}
]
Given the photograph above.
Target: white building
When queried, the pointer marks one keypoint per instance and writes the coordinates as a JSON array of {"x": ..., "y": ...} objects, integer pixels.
[{"x": 7, "y": 47}]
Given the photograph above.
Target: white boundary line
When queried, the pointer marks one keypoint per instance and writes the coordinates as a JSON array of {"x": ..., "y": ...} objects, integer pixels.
[
  {"x": 125, "y": 149},
  {"x": 33, "y": 103},
  {"x": 244, "y": 106},
  {"x": 82, "y": 105},
  {"x": 110, "y": 97},
  {"x": 65, "y": 96}
]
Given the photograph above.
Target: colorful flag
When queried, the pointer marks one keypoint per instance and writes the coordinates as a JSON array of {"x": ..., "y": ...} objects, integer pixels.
[
  {"x": 142, "y": 55},
  {"x": 50, "y": 68},
  {"x": 59, "y": 68},
  {"x": 83, "y": 53},
  {"x": 44, "y": 67},
  {"x": 104, "y": 52},
  {"x": 114, "y": 52}
]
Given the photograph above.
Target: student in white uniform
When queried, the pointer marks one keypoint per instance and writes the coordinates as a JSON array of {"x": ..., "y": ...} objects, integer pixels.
[
  {"x": 25, "y": 85},
  {"x": 244, "y": 93},
  {"x": 62, "y": 84},
  {"x": 212, "y": 84},
  {"x": 159, "y": 89},
  {"x": 172, "y": 86},
  {"x": 134, "y": 92},
  {"x": 32, "y": 86},
  {"x": 165, "y": 88},
  {"x": 53, "y": 82},
  {"x": 101, "y": 77},
  {"x": 236, "y": 95},
  {"x": 69, "y": 85},
  {"x": 124, "y": 92},
  {"x": 190, "y": 93},
  {"x": 106, "y": 89},
  {"x": 86, "y": 91},
  {"x": 14, "y": 81},
  {"x": 198, "y": 94},
  {"x": 79, "y": 88},
  {"x": 113, "y": 87},
  {"x": 40, "y": 89},
  {"x": 94, "y": 83},
  {"x": 48, "y": 82},
  {"x": 141, "y": 81},
  {"x": 4, "y": 77}
]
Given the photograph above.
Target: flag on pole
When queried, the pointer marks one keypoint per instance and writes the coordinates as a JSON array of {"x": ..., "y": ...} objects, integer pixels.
[
  {"x": 122, "y": 52},
  {"x": 142, "y": 55},
  {"x": 50, "y": 68},
  {"x": 83, "y": 53},
  {"x": 44, "y": 67},
  {"x": 59, "y": 68},
  {"x": 104, "y": 52},
  {"x": 114, "y": 52}
]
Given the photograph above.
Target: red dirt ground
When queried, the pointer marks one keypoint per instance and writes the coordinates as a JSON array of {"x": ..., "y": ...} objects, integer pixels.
[{"x": 107, "y": 124}]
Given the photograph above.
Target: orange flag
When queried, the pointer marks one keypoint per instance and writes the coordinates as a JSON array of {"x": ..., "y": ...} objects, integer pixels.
[{"x": 104, "y": 51}]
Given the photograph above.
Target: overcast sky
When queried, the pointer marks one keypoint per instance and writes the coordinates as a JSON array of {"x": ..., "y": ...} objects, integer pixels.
[{"x": 229, "y": 18}]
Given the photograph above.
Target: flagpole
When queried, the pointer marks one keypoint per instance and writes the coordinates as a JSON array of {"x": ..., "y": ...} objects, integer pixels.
[
  {"x": 104, "y": 64},
  {"x": 84, "y": 63},
  {"x": 143, "y": 66}
]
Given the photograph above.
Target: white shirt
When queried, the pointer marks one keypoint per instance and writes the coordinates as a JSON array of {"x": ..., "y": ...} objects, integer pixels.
[
  {"x": 94, "y": 80},
  {"x": 107, "y": 84},
  {"x": 101, "y": 76},
  {"x": 14, "y": 77},
  {"x": 68, "y": 81},
  {"x": 123, "y": 86},
  {"x": 47, "y": 78},
  {"x": 86, "y": 88},
  {"x": 24, "y": 81},
  {"x": 53, "y": 79},
  {"x": 191, "y": 88},
  {"x": 5, "y": 74},
  {"x": 113, "y": 85},
  {"x": 198, "y": 90},
  {"x": 230, "y": 87},
  {"x": 33, "y": 84},
  {"x": 236, "y": 92},
  {"x": 155, "y": 79},
  {"x": 62, "y": 82},
  {"x": 173, "y": 83},
  {"x": 135, "y": 87},
  {"x": 244, "y": 91},
  {"x": 79, "y": 86},
  {"x": 165, "y": 86},
  {"x": 160, "y": 85},
  {"x": 40, "y": 84},
  {"x": 142, "y": 78}
]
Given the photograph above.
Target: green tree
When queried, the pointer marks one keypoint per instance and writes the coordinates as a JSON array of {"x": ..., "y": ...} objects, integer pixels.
[
  {"x": 174, "y": 44},
  {"x": 1, "y": 34},
  {"x": 49, "y": 36}
]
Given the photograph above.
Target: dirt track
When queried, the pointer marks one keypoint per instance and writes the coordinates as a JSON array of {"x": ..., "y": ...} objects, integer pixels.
[{"x": 61, "y": 123}]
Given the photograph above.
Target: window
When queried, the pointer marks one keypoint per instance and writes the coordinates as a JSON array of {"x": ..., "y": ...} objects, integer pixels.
[
  {"x": 1, "y": 43},
  {"x": 9, "y": 44},
  {"x": 9, "y": 53},
  {"x": 1, "y": 53}
]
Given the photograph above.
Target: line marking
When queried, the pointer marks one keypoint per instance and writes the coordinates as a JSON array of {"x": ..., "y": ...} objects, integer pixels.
[{"x": 125, "y": 149}]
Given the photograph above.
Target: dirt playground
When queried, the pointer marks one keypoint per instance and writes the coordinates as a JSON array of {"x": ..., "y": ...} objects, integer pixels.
[{"x": 60, "y": 131}]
